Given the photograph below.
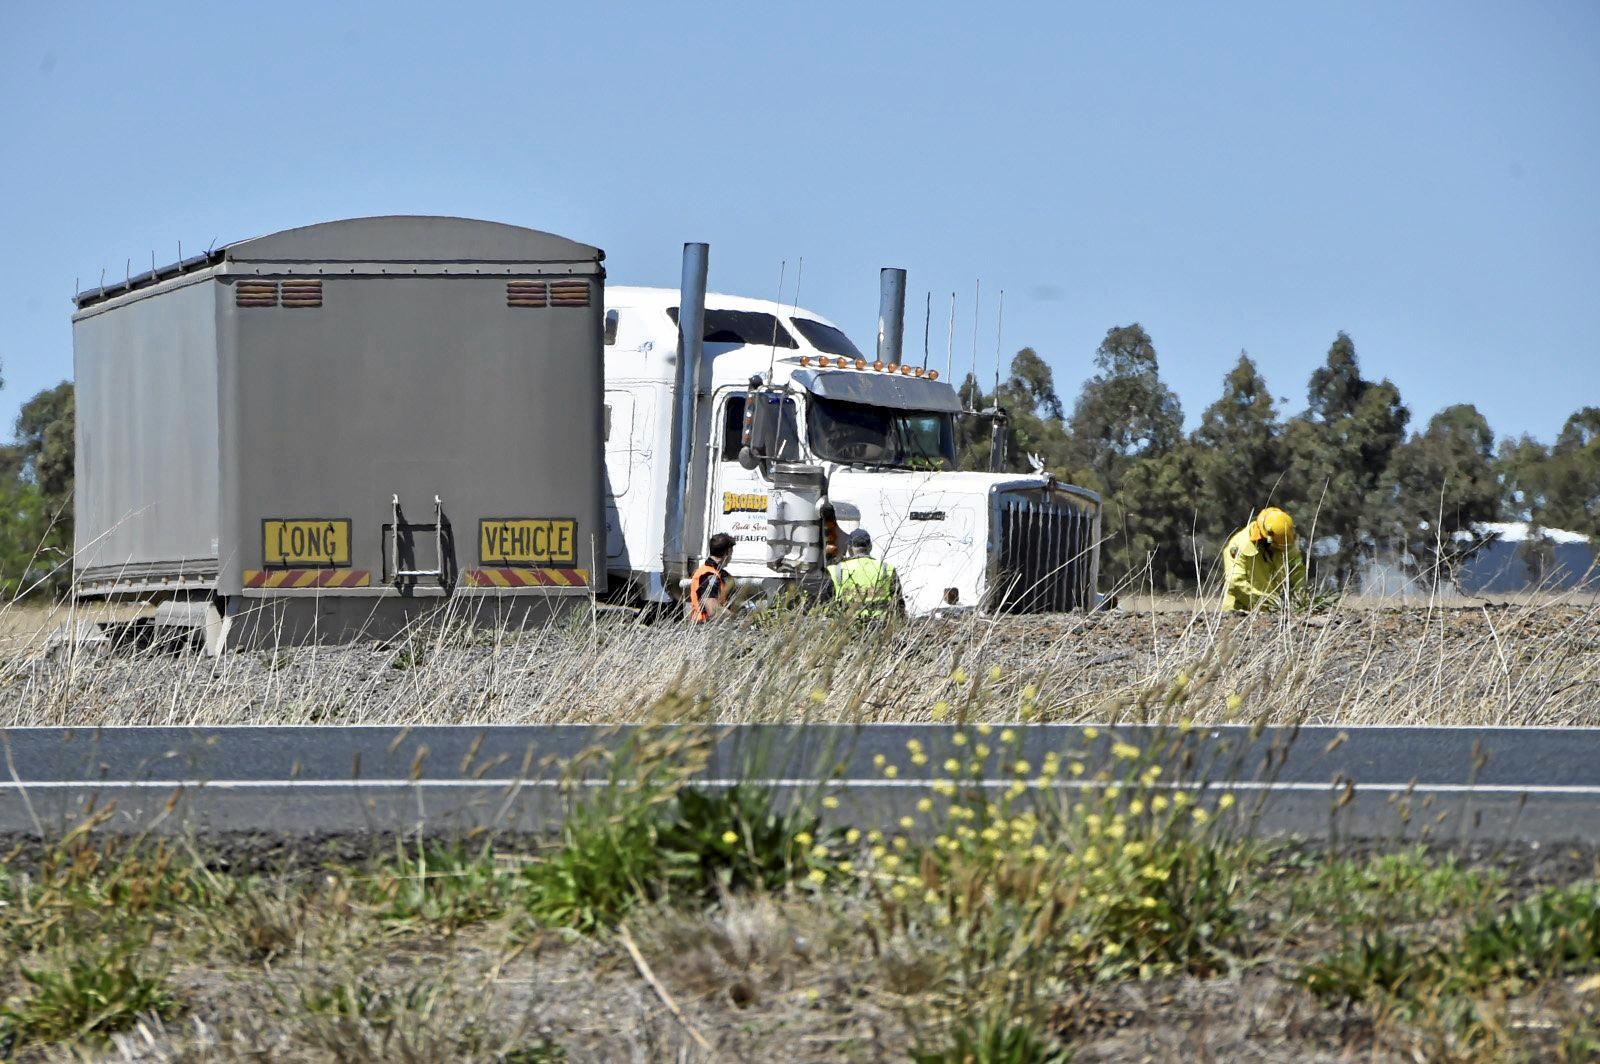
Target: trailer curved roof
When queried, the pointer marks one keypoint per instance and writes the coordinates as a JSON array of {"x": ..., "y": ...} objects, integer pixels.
[{"x": 382, "y": 238}]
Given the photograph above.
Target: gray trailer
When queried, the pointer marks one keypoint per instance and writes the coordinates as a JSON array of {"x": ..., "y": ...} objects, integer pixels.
[{"x": 332, "y": 430}]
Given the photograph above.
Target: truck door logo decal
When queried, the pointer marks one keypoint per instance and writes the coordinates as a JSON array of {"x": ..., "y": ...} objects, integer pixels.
[
  {"x": 305, "y": 542},
  {"x": 527, "y": 540},
  {"x": 742, "y": 502}
]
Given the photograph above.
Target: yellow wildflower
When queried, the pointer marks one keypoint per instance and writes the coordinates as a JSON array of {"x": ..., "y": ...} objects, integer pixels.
[
  {"x": 853, "y": 836},
  {"x": 830, "y": 802},
  {"x": 1008, "y": 736},
  {"x": 818, "y": 876},
  {"x": 959, "y": 738},
  {"x": 1126, "y": 751},
  {"x": 960, "y": 676},
  {"x": 803, "y": 838},
  {"x": 995, "y": 673},
  {"x": 925, "y": 805},
  {"x": 1091, "y": 733},
  {"x": 730, "y": 837},
  {"x": 1158, "y": 803},
  {"x": 940, "y": 711},
  {"x": 908, "y": 823},
  {"x": 890, "y": 771},
  {"x": 1225, "y": 802},
  {"x": 951, "y": 765}
]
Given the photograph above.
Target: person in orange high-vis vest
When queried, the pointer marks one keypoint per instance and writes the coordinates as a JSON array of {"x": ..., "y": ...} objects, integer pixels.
[{"x": 710, "y": 587}]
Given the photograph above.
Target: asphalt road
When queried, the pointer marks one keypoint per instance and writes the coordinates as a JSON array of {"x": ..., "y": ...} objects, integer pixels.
[{"x": 1465, "y": 784}]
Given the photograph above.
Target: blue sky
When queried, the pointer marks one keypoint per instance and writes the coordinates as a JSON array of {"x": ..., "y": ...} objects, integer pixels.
[{"x": 1242, "y": 176}]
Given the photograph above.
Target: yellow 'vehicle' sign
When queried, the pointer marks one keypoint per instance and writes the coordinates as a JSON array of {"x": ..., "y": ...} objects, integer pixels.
[
  {"x": 305, "y": 542},
  {"x": 524, "y": 540}
]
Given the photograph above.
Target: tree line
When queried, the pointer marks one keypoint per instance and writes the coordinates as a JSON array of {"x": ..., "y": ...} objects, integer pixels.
[
  {"x": 1358, "y": 484},
  {"x": 1345, "y": 466}
]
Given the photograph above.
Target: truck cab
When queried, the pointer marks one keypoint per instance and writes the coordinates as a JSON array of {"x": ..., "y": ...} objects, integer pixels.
[{"x": 877, "y": 439}]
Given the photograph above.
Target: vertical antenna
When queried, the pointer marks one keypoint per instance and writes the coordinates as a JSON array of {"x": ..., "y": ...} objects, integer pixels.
[
  {"x": 772, "y": 352},
  {"x": 977, "y": 302},
  {"x": 999, "y": 325},
  {"x": 950, "y": 345},
  {"x": 927, "y": 316}
]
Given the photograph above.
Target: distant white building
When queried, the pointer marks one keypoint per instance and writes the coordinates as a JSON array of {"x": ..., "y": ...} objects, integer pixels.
[
  {"x": 1517, "y": 558},
  {"x": 1522, "y": 558}
]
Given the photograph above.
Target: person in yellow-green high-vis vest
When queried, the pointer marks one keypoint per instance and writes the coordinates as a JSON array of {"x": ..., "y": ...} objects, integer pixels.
[
  {"x": 1260, "y": 561},
  {"x": 862, "y": 585}
]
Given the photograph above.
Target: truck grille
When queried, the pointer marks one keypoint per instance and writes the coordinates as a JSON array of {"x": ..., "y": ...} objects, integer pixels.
[{"x": 1047, "y": 556}]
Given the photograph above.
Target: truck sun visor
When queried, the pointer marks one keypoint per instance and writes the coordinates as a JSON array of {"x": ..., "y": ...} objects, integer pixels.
[{"x": 883, "y": 390}]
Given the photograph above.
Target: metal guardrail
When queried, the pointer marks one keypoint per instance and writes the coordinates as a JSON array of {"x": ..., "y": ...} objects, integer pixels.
[{"x": 1479, "y": 784}]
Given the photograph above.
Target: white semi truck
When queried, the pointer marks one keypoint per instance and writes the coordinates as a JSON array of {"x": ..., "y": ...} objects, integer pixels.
[{"x": 764, "y": 421}]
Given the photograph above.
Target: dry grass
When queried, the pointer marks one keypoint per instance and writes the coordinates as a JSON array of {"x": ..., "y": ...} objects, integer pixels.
[{"x": 1532, "y": 664}]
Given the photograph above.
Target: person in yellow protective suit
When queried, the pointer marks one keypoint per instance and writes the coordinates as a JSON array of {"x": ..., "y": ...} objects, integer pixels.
[{"x": 1262, "y": 559}]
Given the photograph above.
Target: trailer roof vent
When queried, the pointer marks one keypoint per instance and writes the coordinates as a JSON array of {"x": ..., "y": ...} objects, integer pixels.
[
  {"x": 569, "y": 293},
  {"x": 255, "y": 294},
  {"x": 302, "y": 292},
  {"x": 526, "y": 294}
]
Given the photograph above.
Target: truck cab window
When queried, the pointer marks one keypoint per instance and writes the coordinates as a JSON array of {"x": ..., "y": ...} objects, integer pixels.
[
  {"x": 611, "y": 328},
  {"x": 742, "y": 327},
  {"x": 826, "y": 338},
  {"x": 732, "y": 428}
]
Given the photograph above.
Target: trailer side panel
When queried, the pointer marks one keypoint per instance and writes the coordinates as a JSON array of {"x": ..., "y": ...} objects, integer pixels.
[{"x": 147, "y": 473}]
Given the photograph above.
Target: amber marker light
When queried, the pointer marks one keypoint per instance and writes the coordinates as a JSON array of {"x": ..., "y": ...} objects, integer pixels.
[
  {"x": 933, "y": 374},
  {"x": 861, "y": 363},
  {"x": 919, "y": 371},
  {"x": 878, "y": 366},
  {"x": 805, "y": 360}
]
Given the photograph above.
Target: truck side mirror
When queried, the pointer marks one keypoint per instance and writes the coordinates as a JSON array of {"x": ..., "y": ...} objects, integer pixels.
[{"x": 762, "y": 428}]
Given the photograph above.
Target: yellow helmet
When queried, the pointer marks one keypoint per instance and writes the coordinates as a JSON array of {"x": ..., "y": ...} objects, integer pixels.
[{"x": 1275, "y": 527}]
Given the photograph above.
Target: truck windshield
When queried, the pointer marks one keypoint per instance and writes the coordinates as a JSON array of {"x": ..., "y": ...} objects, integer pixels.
[{"x": 878, "y": 436}]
